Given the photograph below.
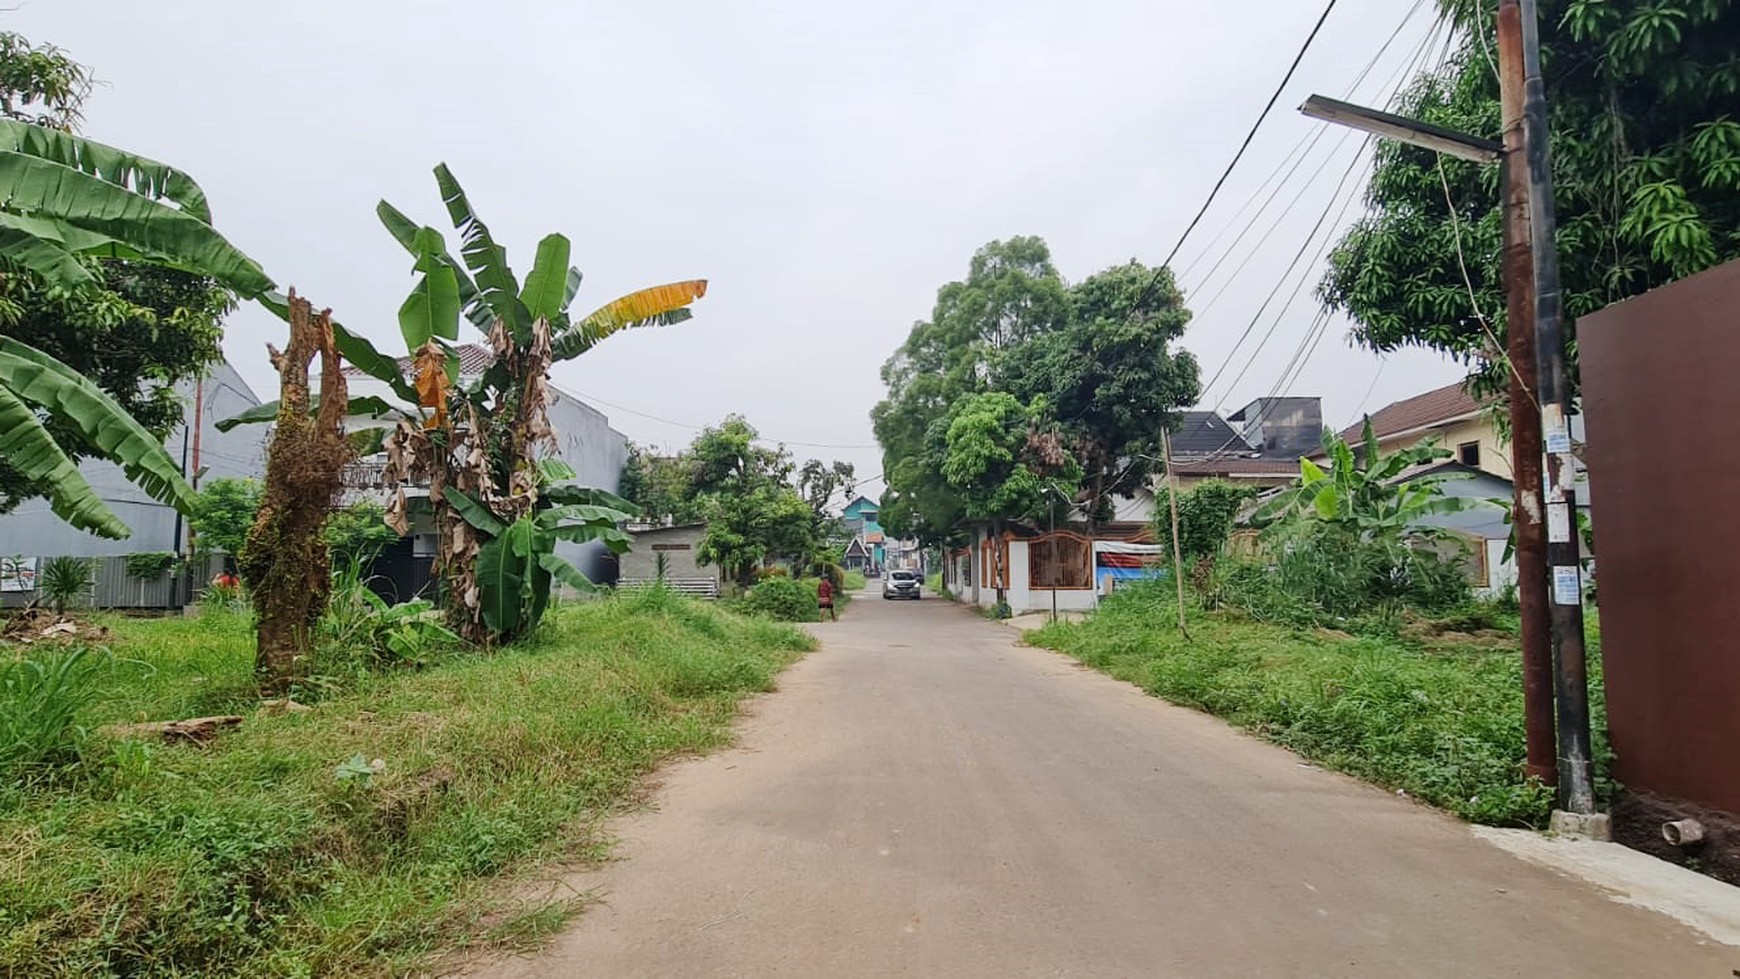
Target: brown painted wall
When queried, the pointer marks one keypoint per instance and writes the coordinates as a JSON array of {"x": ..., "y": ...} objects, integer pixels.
[{"x": 1661, "y": 394}]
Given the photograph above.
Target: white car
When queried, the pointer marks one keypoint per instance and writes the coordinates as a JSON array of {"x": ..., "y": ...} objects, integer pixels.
[{"x": 901, "y": 584}]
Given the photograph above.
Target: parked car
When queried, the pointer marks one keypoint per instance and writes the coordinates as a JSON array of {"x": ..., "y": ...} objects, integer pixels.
[{"x": 901, "y": 584}]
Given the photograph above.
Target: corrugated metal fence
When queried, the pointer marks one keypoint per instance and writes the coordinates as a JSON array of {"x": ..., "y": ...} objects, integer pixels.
[{"x": 115, "y": 588}]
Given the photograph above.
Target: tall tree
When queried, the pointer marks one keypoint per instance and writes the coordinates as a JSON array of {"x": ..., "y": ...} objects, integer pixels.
[
  {"x": 1012, "y": 293},
  {"x": 134, "y": 329},
  {"x": 1089, "y": 364},
  {"x": 1110, "y": 377},
  {"x": 1646, "y": 159}
]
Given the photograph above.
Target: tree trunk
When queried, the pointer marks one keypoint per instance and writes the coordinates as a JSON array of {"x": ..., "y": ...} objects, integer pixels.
[{"x": 285, "y": 562}]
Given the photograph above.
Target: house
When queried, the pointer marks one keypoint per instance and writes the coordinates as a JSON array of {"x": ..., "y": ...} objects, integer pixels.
[
  {"x": 676, "y": 545},
  {"x": 1450, "y": 418},
  {"x": 584, "y": 440},
  {"x": 1263, "y": 452},
  {"x": 1075, "y": 565},
  {"x": 205, "y": 453},
  {"x": 1482, "y": 526},
  {"x": 860, "y": 518}
]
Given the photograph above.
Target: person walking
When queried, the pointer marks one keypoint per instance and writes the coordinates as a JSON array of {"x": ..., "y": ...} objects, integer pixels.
[{"x": 825, "y": 598}]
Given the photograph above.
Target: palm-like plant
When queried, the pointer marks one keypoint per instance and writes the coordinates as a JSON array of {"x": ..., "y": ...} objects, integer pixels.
[
  {"x": 64, "y": 200},
  {"x": 1364, "y": 491},
  {"x": 485, "y": 447}
]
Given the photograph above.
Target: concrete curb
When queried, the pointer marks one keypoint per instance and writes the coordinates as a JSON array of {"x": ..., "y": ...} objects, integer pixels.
[{"x": 1702, "y": 903}]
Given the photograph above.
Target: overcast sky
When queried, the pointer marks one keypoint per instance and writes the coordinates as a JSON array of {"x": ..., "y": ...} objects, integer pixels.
[{"x": 827, "y": 166}]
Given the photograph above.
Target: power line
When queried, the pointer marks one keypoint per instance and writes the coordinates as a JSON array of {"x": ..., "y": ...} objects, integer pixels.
[
  {"x": 1308, "y": 141},
  {"x": 699, "y": 428},
  {"x": 1154, "y": 281}
]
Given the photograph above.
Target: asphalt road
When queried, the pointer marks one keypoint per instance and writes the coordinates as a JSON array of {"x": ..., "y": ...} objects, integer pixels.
[{"x": 923, "y": 797}]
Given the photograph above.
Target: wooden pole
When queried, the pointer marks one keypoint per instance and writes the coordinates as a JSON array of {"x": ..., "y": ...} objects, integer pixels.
[
  {"x": 1177, "y": 548},
  {"x": 1525, "y": 413},
  {"x": 1571, "y": 682}
]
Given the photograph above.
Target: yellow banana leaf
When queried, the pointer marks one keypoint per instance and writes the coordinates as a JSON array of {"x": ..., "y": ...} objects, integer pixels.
[{"x": 644, "y": 304}]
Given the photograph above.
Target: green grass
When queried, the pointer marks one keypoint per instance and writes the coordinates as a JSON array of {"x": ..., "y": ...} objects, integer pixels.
[
  {"x": 251, "y": 857},
  {"x": 933, "y": 584},
  {"x": 855, "y": 581},
  {"x": 1439, "y": 718}
]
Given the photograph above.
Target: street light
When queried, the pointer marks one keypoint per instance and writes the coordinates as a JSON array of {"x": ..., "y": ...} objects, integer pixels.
[
  {"x": 1525, "y": 153},
  {"x": 1411, "y": 131}
]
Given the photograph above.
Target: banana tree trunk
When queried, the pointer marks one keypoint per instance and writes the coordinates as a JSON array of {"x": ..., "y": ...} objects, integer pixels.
[{"x": 285, "y": 562}]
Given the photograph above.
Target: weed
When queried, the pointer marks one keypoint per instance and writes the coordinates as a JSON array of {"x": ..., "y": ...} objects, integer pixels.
[
  {"x": 40, "y": 701},
  {"x": 1443, "y": 723},
  {"x": 253, "y": 857}
]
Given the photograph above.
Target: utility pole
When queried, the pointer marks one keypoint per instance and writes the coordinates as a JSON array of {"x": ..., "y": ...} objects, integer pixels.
[
  {"x": 1052, "y": 512},
  {"x": 1525, "y": 417},
  {"x": 1576, "y": 776},
  {"x": 1177, "y": 547}
]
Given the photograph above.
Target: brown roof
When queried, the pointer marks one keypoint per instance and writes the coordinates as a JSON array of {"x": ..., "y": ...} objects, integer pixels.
[
  {"x": 1419, "y": 411},
  {"x": 1235, "y": 466},
  {"x": 474, "y": 359}
]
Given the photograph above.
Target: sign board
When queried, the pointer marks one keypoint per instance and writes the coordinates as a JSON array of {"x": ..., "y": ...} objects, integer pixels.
[{"x": 18, "y": 573}]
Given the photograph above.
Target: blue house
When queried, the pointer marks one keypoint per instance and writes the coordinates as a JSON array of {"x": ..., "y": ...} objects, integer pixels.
[{"x": 868, "y": 548}]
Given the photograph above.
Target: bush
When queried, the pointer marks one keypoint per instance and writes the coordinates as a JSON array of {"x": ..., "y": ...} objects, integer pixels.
[
  {"x": 40, "y": 698},
  {"x": 1321, "y": 574},
  {"x": 359, "y": 632},
  {"x": 854, "y": 581},
  {"x": 65, "y": 580},
  {"x": 783, "y": 599},
  {"x": 149, "y": 565}
]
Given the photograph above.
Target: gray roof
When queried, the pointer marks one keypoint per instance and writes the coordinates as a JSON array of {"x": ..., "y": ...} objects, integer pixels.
[{"x": 1205, "y": 433}]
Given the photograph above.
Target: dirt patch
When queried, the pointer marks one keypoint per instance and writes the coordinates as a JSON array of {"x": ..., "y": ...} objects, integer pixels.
[
  {"x": 39, "y": 625},
  {"x": 1637, "y": 821}
]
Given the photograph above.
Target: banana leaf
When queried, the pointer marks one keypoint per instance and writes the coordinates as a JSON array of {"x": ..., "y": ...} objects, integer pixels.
[
  {"x": 33, "y": 376},
  {"x": 26, "y": 446},
  {"x": 36, "y": 187}
]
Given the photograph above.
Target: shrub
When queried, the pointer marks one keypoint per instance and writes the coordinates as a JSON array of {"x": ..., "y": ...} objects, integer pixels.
[
  {"x": 360, "y": 632},
  {"x": 65, "y": 580},
  {"x": 40, "y": 699},
  {"x": 149, "y": 565},
  {"x": 783, "y": 599},
  {"x": 1322, "y": 574}
]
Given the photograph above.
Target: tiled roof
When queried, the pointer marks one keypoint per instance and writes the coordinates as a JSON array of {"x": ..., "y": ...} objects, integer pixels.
[
  {"x": 1203, "y": 433},
  {"x": 1235, "y": 466},
  {"x": 474, "y": 359},
  {"x": 1419, "y": 411}
]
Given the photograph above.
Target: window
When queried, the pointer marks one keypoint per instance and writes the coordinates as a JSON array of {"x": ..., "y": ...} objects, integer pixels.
[{"x": 1468, "y": 453}]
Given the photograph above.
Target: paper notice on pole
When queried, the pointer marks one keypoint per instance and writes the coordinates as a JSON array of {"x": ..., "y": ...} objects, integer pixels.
[
  {"x": 1567, "y": 585},
  {"x": 1554, "y": 432},
  {"x": 1558, "y": 522}
]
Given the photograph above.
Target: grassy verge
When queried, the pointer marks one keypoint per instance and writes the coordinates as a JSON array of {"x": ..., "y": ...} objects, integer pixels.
[
  {"x": 1439, "y": 715},
  {"x": 855, "y": 581},
  {"x": 281, "y": 850}
]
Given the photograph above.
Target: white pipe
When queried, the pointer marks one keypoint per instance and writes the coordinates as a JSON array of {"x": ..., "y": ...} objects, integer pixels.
[{"x": 1683, "y": 832}]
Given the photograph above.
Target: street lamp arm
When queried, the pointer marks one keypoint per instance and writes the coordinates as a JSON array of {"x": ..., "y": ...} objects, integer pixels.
[{"x": 1411, "y": 131}]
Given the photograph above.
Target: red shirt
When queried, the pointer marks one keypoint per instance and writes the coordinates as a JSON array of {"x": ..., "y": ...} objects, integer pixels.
[{"x": 825, "y": 591}]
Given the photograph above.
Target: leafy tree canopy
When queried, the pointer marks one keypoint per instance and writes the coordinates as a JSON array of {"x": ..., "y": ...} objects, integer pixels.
[
  {"x": 1646, "y": 159},
  {"x": 1087, "y": 369}
]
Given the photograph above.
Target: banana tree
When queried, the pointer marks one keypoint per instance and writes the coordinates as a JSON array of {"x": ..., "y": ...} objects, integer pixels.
[
  {"x": 484, "y": 446},
  {"x": 65, "y": 200},
  {"x": 1365, "y": 491}
]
